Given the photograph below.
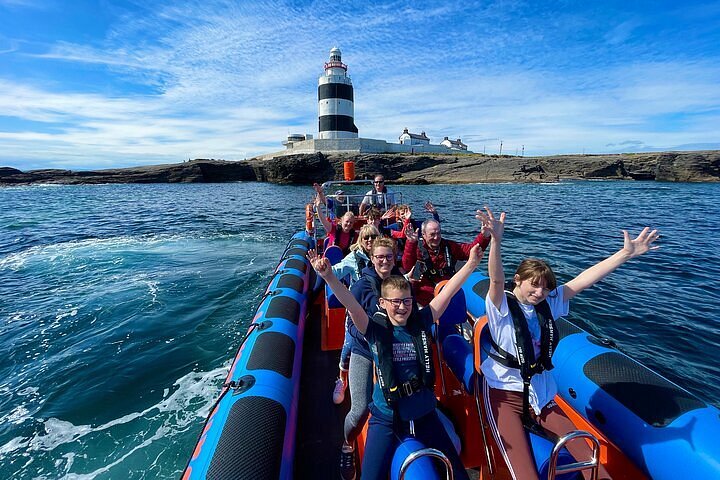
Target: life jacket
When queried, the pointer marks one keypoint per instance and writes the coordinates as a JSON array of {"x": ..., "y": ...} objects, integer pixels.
[
  {"x": 433, "y": 273},
  {"x": 383, "y": 348},
  {"x": 525, "y": 360},
  {"x": 339, "y": 231}
]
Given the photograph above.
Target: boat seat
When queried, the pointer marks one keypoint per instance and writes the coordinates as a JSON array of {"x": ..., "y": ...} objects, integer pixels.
[
  {"x": 454, "y": 314},
  {"x": 334, "y": 254}
]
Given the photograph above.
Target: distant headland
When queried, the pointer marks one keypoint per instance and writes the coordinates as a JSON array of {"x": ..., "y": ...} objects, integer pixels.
[{"x": 304, "y": 169}]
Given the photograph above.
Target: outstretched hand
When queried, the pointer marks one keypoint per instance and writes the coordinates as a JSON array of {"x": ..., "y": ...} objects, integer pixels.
[
  {"x": 640, "y": 244},
  {"x": 408, "y": 213},
  {"x": 429, "y": 207},
  {"x": 320, "y": 264},
  {"x": 390, "y": 213},
  {"x": 411, "y": 234},
  {"x": 317, "y": 188},
  {"x": 475, "y": 255},
  {"x": 494, "y": 226}
]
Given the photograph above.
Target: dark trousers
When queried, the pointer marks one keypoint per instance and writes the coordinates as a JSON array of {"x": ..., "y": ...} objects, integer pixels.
[{"x": 384, "y": 435}]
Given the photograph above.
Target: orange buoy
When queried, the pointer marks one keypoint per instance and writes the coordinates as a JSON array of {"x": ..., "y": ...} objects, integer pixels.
[{"x": 349, "y": 170}]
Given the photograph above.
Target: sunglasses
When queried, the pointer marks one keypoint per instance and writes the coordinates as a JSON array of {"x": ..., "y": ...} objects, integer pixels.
[
  {"x": 372, "y": 236},
  {"x": 382, "y": 181},
  {"x": 407, "y": 301},
  {"x": 387, "y": 258}
]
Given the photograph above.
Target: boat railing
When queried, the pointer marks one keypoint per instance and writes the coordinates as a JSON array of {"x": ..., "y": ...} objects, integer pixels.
[
  {"x": 426, "y": 452},
  {"x": 592, "y": 464},
  {"x": 340, "y": 203}
]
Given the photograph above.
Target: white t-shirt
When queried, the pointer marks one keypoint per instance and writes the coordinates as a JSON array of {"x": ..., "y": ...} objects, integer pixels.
[{"x": 542, "y": 386}]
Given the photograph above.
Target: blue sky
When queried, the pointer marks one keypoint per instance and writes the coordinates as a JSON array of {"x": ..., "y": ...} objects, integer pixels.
[{"x": 98, "y": 84}]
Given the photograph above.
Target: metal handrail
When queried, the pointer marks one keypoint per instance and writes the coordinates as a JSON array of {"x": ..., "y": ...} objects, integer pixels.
[
  {"x": 488, "y": 453},
  {"x": 426, "y": 452},
  {"x": 593, "y": 463}
]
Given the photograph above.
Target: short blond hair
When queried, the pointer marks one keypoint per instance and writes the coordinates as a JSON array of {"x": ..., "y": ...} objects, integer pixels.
[
  {"x": 384, "y": 242},
  {"x": 394, "y": 282}
]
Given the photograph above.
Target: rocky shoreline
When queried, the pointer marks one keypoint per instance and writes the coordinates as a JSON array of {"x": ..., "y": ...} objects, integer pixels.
[{"x": 400, "y": 168}]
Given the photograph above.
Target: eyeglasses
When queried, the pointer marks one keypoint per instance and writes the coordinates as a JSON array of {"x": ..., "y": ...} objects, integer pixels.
[
  {"x": 372, "y": 236},
  {"x": 388, "y": 258},
  {"x": 407, "y": 301}
]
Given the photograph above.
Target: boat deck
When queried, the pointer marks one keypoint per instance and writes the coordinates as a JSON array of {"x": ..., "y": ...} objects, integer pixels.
[{"x": 320, "y": 422}]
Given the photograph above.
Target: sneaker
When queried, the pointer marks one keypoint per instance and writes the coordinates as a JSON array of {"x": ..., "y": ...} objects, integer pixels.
[
  {"x": 339, "y": 391},
  {"x": 347, "y": 463}
]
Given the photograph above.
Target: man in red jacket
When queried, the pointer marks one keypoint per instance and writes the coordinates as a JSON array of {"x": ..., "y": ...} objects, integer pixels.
[{"x": 435, "y": 257}]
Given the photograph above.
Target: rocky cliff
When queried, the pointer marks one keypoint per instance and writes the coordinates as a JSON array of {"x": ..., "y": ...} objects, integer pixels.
[{"x": 401, "y": 168}]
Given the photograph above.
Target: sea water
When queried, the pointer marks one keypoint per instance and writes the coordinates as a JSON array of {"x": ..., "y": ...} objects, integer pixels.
[{"x": 121, "y": 306}]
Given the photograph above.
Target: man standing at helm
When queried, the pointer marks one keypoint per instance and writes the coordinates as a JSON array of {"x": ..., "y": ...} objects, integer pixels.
[{"x": 379, "y": 197}]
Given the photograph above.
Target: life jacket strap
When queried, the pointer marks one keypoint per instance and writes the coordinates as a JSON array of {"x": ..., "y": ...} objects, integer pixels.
[{"x": 410, "y": 388}]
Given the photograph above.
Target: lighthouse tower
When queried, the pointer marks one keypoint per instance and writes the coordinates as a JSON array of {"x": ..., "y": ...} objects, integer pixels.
[{"x": 335, "y": 100}]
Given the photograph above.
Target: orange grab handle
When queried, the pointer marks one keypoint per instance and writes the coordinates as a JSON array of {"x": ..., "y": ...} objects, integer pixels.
[{"x": 309, "y": 214}]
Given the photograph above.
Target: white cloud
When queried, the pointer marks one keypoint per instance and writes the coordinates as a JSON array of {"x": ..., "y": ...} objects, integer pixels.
[{"x": 230, "y": 80}]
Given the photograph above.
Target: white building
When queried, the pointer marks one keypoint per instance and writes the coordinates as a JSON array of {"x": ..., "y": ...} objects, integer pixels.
[
  {"x": 454, "y": 144},
  {"x": 413, "y": 139}
]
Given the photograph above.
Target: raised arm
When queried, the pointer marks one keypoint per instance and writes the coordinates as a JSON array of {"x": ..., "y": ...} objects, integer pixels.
[
  {"x": 430, "y": 208},
  {"x": 357, "y": 313},
  {"x": 320, "y": 193},
  {"x": 632, "y": 248},
  {"x": 409, "y": 257},
  {"x": 438, "y": 304},
  {"x": 461, "y": 250},
  {"x": 495, "y": 227},
  {"x": 327, "y": 225}
]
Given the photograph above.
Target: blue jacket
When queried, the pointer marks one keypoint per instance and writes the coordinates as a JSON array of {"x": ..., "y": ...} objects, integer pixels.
[{"x": 367, "y": 289}]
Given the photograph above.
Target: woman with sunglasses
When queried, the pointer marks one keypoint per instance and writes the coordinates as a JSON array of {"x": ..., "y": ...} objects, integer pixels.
[{"x": 348, "y": 269}]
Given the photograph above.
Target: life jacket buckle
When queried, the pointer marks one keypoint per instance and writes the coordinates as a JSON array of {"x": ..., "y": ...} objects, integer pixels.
[{"x": 407, "y": 389}]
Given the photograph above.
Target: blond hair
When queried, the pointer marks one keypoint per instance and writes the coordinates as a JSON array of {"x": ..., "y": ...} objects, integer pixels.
[
  {"x": 364, "y": 231},
  {"x": 384, "y": 242},
  {"x": 394, "y": 282}
]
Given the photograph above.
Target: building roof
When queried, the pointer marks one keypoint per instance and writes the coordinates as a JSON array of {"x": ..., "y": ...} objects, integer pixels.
[
  {"x": 455, "y": 143},
  {"x": 422, "y": 135}
]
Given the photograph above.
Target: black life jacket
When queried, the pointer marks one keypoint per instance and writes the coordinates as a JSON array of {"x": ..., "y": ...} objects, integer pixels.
[
  {"x": 432, "y": 273},
  {"x": 525, "y": 360},
  {"x": 383, "y": 348},
  {"x": 339, "y": 231}
]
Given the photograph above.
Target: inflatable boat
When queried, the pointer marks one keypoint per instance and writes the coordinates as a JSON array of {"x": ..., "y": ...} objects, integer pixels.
[{"x": 275, "y": 419}]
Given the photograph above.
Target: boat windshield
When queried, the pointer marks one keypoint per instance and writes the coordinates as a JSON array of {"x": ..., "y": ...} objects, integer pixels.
[{"x": 348, "y": 195}]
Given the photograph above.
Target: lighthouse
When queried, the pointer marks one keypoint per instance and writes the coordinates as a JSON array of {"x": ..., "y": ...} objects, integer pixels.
[{"x": 336, "y": 113}]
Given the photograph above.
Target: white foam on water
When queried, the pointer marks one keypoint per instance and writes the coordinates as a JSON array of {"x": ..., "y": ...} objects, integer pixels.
[
  {"x": 177, "y": 411},
  {"x": 77, "y": 248}
]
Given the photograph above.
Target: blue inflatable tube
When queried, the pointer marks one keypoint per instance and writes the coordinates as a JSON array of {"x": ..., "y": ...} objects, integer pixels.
[
  {"x": 475, "y": 289},
  {"x": 250, "y": 433},
  {"x": 662, "y": 428},
  {"x": 421, "y": 469}
]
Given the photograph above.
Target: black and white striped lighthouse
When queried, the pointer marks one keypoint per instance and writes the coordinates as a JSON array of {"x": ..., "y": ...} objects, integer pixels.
[{"x": 335, "y": 100}]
